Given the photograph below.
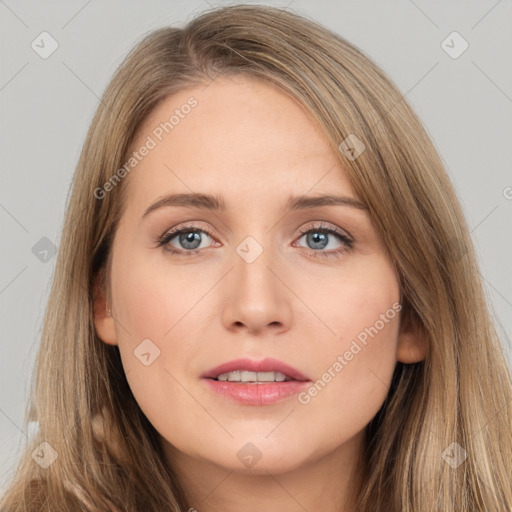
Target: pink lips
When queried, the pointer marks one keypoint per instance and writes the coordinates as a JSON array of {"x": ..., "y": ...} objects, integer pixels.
[
  {"x": 256, "y": 393},
  {"x": 266, "y": 365}
]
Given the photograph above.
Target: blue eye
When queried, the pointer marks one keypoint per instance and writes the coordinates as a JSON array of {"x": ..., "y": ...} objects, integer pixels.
[
  {"x": 317, "y": 237},
  {"x": 188, "y": 236}
]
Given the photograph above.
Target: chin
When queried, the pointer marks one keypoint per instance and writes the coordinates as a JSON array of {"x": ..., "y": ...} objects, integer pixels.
[{"x": 256, "y": 459}]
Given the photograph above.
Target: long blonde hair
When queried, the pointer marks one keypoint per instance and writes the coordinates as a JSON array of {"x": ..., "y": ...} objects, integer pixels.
[{"x": 108, "y": 454}]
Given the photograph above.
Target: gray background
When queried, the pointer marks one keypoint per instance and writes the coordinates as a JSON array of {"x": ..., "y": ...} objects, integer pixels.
[{"x": 47, "y": 104}]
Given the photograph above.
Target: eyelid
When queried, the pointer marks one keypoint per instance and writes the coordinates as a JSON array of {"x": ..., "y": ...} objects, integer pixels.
[
  {"x": 322, "y": 225},
  {"x": 183, "y": 227}
]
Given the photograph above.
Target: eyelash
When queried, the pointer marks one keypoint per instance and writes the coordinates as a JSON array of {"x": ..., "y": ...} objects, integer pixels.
[{"x": 321, "y": 228}]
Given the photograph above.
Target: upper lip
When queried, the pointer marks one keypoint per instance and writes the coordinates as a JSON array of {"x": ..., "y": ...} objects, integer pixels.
[{"x": 265, "y": 365}]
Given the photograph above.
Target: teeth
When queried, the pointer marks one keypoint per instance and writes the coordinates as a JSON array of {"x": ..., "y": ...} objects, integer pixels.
[{"x": 247, "y": 376}]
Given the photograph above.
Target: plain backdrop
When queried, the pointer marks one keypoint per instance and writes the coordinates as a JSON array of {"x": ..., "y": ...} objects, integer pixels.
[{"x": 46, "y": 105}]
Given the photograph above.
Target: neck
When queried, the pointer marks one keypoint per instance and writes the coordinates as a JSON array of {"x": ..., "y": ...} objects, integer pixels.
[{"x": 328, "y": 483}]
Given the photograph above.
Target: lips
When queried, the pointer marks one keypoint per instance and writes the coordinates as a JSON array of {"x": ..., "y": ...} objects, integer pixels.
[{"x": 265, "y": 365}]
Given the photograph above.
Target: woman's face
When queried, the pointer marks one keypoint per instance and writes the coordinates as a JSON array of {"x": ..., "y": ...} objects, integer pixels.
[{"x": 302, "y": 282}]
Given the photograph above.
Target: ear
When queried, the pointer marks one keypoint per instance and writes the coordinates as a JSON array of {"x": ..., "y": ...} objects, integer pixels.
[
  {"x": 412, "y": 340},
  {"x": 103, "y": 322}
]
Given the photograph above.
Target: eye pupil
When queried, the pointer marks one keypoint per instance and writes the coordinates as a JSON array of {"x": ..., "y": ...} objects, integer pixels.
[
  {"x": 317, "y": 237},
  {"x": 190, "y": 237}
]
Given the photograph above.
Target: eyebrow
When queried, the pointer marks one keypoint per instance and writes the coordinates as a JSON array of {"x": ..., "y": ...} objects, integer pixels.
[{"x": 216, "y": 203}]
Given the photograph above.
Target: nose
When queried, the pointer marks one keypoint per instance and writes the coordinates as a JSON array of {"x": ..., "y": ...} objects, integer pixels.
[{"x": 256, "y": 297}]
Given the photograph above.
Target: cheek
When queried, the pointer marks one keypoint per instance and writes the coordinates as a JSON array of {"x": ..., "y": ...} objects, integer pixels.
[
  {"x": 356, "y": 361},
  {"x": 346, "y": 301},
  {"x": 349, "y": 389},
  {"x": 154, "y": 300},
  {"x": 159, "y": 321}
]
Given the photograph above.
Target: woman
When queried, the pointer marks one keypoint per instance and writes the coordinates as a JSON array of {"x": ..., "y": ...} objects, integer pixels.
[{"x": 266, "y": 296}]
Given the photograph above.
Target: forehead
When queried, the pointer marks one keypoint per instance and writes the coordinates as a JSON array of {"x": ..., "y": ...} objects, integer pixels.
[{"x": 238, "y": 137}]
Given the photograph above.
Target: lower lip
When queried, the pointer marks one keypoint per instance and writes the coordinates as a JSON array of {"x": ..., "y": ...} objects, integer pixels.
[{"x": 257, "y": 394}]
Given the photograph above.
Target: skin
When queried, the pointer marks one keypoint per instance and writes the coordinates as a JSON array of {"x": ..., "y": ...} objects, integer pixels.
[{"x": 255, "y": 146}]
